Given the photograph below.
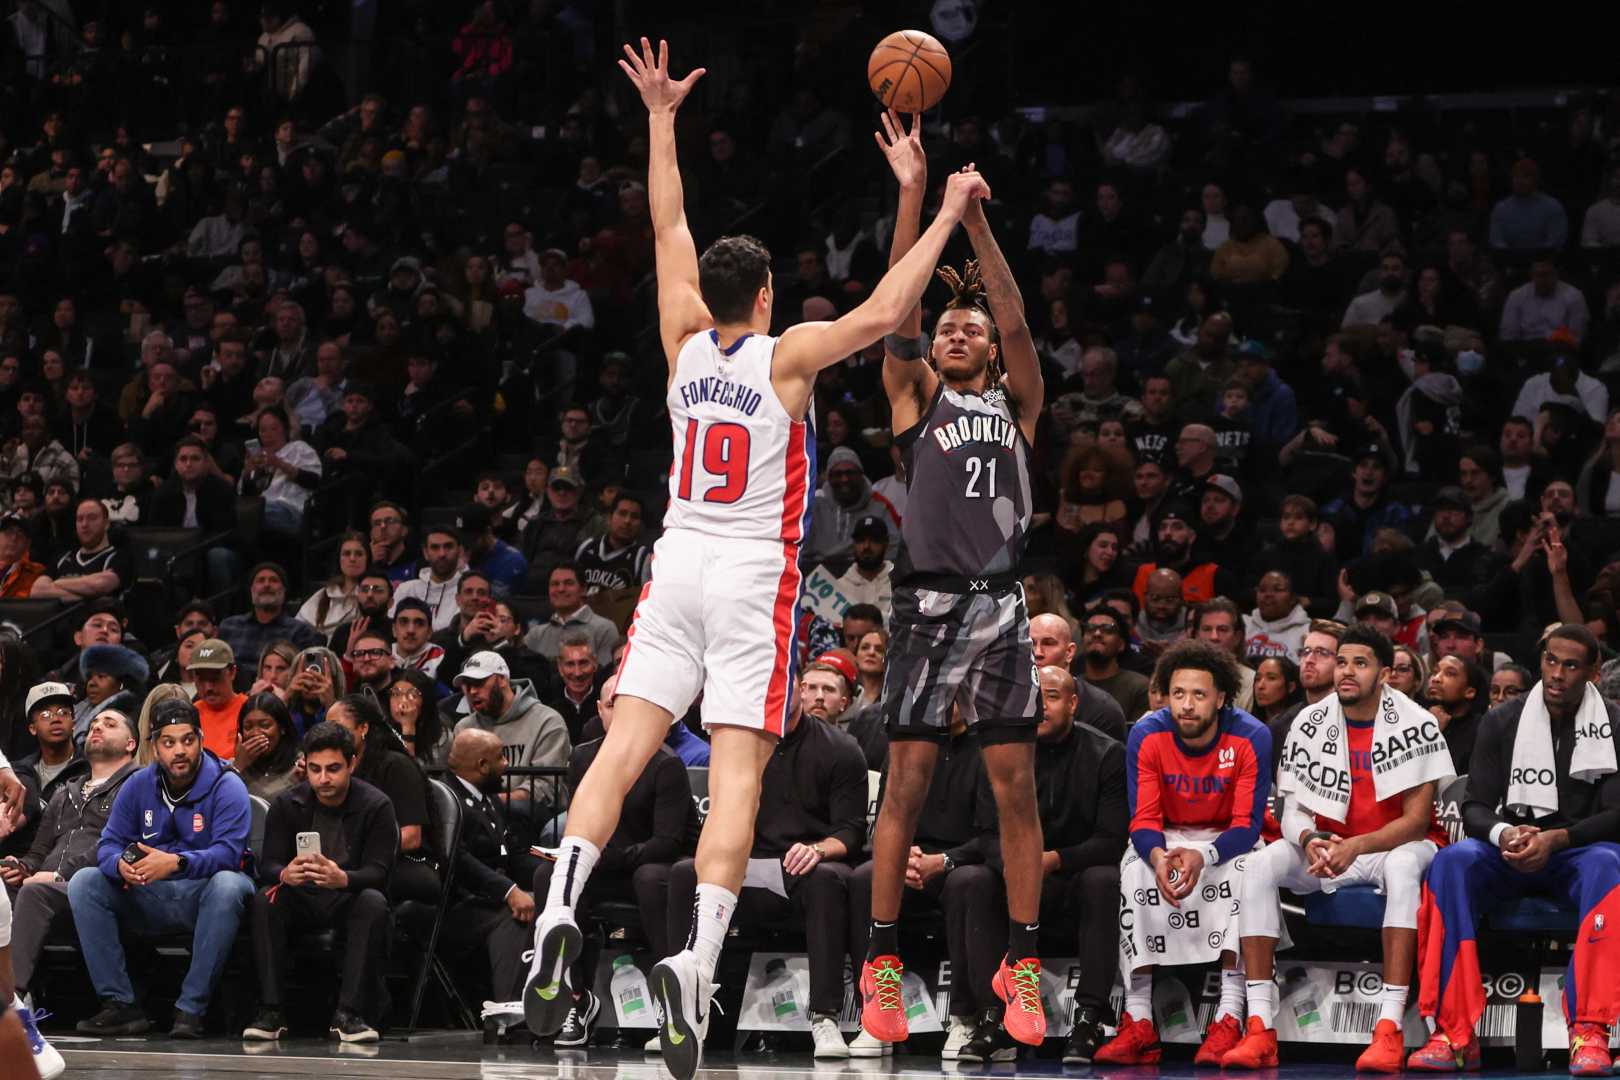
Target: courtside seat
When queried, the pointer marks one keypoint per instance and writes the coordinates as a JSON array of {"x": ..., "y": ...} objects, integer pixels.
[
  {"x": 1541, "y": 915},
  {"x": 1353, "y": 906}
]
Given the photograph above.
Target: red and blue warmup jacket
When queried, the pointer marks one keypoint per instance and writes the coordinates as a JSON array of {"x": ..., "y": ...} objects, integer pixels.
[{"x": 1223, "y": 786}]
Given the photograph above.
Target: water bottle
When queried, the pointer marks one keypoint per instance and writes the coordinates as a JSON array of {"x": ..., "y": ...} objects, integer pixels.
[
  {"x": 781, "y": 992},
  {"x": 630, "y": 991},
  {"x": 1296, "y": 990}
]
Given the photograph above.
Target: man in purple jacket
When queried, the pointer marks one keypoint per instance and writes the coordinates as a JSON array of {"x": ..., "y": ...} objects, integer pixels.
[{"x": 171, "y": 860}]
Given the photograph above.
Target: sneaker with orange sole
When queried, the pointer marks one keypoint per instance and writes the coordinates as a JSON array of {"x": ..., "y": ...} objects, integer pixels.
[
  {"x": 1589, "y": 1050},
  {"x": 1387, "y": 1050},
  {"x": 1222, "y": 1035},
  {"x": 1019, "y": 988},
  {"x": 1440, "y": 1055},
  {"x": 883, "y": 1013},
  {"x": 1136, "y": 1044},
  {"x": 1258, "y": 1050}
]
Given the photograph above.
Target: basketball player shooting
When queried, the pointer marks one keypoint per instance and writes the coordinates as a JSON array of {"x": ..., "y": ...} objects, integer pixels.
[
  {"x": 718, "y": 616},
  {"x": 959, "y": 633}
]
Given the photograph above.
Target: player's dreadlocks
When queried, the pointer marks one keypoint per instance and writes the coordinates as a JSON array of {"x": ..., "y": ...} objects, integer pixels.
[{"x": 968, "y": 293}]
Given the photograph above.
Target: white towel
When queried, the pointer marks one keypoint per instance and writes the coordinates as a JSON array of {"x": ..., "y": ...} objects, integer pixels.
[
  {"x": 1408, "y": 749},
  {"x": 1533, "y": 776}
]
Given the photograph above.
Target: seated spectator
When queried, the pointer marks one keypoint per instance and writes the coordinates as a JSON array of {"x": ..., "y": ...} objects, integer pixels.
[
  {"x": 1175, "y": 548},
  {"x": 1357, "y": 516},
  {"x": 195, "y": 498},
  {"x": 413, "y": 641},
  {"x": 101, "y": 622},
  {"x": 314, "y": 398},
  {"x": 380, "y": 762},
  {"x": 18, "y": 573},
  {"x": 1198, "y": 375},
  {"x": 214, "y": 670},
  {"x": 1368, "y": 828},
  {"x": 554, "y": 531},
  {"x": 1277, "y": 625},
  {"x": 844, "y": 499},
  {"x": 1565, "y": 384},
  {"x": 196, "y": 617},
  {"x": 1181, "y": 261},
  {"x": 168, "y": 861},
  {"x": 1601, "y": 226},
  {"x": 266, "y": 747},
  {"x": 390, "y": 526},
  {"x": 1543, "y": 306},
  {"x": 284, "y": 472},
  {"x": 275, "y": 669},
  {"x": 1451, "y": 557},
  {"x": 65, "y": 842},
  {"x": 1364, "y": 223},
  {"x": 814, "y": 825},
  {"x": 37, "y": 452},
  {"x": 343, "y": 883},
  {"x": 413, "y": 710},
  {"x": 316, "y": 681},
  {"x": 1106, "y": 636},
  {"x": 1510, "y": 682},
  {"x": 49, "y": 712},
  {"x": 501, "y": 564},
  {"x": 1218, "y": 622},
  {"x": 569, "y": 610},
  {"x": 1276, "y": 688},
  {"x": 617, "y": 560},
  {"x": 531, "y": 733},
  {"x": 1054, "y": 645},
  {"x": 575, "y": 696},
  {"x": 435, "y": 585},
  {"x": 129, "y": 502},
  {"x": 268, "y": 621},
  {"x": 1528, "y": 219},
  {"x": 1313, "y": 571},
  {"x": 1373, "y": 307},
  {"x": 1525, "y": 838},
  {"x": 373, "y": 596},
  {"x": 114, "y": 678},
  {"x": 1250, "y": 255},
  {"x": 1055, "y": 229},
  {"x": 339, "y": 599},
  {"x": 1458, "y": 694},
  {"x": 96, "y": 567},
  {"x": 1163, "y": 621}
]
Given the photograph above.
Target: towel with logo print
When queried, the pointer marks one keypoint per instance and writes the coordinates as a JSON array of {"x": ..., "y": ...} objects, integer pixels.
[{"x": 1407, "y": 749}]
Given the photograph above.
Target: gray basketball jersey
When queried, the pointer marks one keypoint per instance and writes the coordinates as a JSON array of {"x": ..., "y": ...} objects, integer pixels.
[{"x": 967, "y": 482}]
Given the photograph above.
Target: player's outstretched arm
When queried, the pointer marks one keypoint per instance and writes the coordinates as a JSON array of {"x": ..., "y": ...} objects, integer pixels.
[
  {"x": 808, "y": 347},
  {"x": 908, "y": 379},
  {"x": 681, "y": 310},
  {"x": 1018, "y": 356}
]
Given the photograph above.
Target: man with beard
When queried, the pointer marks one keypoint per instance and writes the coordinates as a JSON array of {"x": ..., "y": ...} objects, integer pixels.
[
  {"x": 616, "y": 560},
  {"x": 168, "y": 861},
  {"x": 1317, "y": 659},
  {"x": 269, "y": 621},
  {"x": 1164, "y": 619},
  {"x": 1536, "y": 822},
  {"x": 827, "y": 685},
  {"x": 1373, "y": 307},
  {"x": 531, "y": 733},
  {"x": 846, "y": 498},
  {"x": 1054, "y": 646},
  {"x": 1345, "y": 825},
  {"x": 869, "y": 576},
  {"x": 1153, "y": 434},
  {"x": 370, "y": 660},
  {"x": 435, "y": 584},
  {"x": 1459, "y": 694},
  {"x": 1197, "y": 375},
  {"x": 1181, "y": 260},
  {"x": 502, "y": 565},
  {"x": 1175, "y": 537},
  {"x": 373, "y": 597},
  {"x": 342, "y": 885},
  {"x": 1106, "y": 636},
  {"x": 1197, "y": 783},
  {"x": 1451, "y": 556}
]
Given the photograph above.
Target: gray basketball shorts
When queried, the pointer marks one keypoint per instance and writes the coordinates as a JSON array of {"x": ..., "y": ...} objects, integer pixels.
[{"x": 967, "y": 650}]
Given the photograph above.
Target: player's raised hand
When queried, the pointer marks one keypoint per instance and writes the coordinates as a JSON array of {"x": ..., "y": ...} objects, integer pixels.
[
  {"x": 961, "y": 190},
  {"x": 658, "y": 91},
  {"x": 904, "y": 149}
]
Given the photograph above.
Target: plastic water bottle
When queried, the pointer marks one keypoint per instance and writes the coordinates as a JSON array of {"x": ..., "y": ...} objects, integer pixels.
[
  {"x": 782, "y": 994},
  {"x": 1296, "y": 990},
  {"x": 630, "y": 991}
]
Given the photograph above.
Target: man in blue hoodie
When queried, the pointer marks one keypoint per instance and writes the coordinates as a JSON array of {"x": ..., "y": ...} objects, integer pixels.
[
  {"x": 1273, "y": 411},
  {"x": 170, "y": 860}
]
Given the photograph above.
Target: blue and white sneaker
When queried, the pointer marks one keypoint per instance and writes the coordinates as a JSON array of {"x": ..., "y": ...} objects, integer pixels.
[
  {"x": 46, "y": 1058},
  {"x": 683, "y": 998},
  {"x": 547, "y": 995}
]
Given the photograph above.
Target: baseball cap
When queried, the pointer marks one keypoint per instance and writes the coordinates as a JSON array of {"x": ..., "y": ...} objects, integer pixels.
[
  {"x": 212, "y": 655},
  {"x": 481, "y": 665},
  {"x": 1142, "y": 303},
  {"x": 566, "y": 476},
  {"x": 1254, "y": 349},
  {"x": 838, "y": 663},
  {"x": 406, "y": 262},
  {"x": 1378, "y": 603},
  {"x": 171, "y": 711},
  {"x": 1178, "y": 511},
  {"x": 1370, "y": 450},
  {"x": 870, "y": 525},
  {"x": 1225, "y": 485},
  {"x": 554, "y": 253},
  {"x": 1451, "y": 498},
  {"x": 1467, "y": 622},
  {"x": 47, "y": 691},
  {"x": 13, "y": 521},
  {"x": 472, "y": 520}
]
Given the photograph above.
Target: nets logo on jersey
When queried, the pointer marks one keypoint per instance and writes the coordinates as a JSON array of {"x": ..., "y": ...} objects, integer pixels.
[
  {"x": 721, "y": 392},
  {"x": 965, "y": 430}
]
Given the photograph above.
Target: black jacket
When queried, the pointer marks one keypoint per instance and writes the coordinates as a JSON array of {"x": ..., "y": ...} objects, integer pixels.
[
  {"x": 489, "y": 860},
  {"x": 71, "y": 827},
  {"x": 216, "y": 505},
  {"x": 951, "y": 814},
  {"x": 1469, "y": 567},
  {"x": 1080, "y": 791},
  {"x": 1591, "y": 812},
  {"x": 658, "y": 823},
  {"x": 813, "y": 787},
  {"x": 369, "y": 830}
]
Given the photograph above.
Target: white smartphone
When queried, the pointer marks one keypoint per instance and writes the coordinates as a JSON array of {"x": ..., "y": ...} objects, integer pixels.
[{"x": 309, "y": 843}]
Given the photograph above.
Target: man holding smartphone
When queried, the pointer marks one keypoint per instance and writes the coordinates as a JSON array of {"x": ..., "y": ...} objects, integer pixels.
[{"x": 329, "y": 848}]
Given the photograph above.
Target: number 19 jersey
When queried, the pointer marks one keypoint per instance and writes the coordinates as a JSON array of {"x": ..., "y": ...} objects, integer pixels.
[{"x": 743, "y": 467}]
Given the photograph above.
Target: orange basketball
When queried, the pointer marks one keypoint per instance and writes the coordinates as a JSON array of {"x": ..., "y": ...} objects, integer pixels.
[{"x": 909, "y": 71}]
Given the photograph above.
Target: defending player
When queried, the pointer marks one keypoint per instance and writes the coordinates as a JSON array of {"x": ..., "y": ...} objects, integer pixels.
[
  {"x": 1197, "y": 776},
  {"x": 718, "y": 616},
  {"x": 959, "y": 633}
]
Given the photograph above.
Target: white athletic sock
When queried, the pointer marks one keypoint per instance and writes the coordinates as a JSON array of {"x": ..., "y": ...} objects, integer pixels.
[
  {"x": 1263, "y": 1001},
  {"x": 576, "y": 858},
  {"x": 1139, "y": 995},
  {"x": 1392, "y": 1004},
  {"x": 1232, "y": 995},
  {"x": 711, "y": 917}
]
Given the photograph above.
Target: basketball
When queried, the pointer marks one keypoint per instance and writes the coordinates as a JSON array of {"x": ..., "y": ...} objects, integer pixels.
[{"x": 909, "y": 71}]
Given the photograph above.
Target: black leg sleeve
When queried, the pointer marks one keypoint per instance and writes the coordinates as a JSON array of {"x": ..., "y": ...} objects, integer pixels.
[{"x": 682, "y": 893}]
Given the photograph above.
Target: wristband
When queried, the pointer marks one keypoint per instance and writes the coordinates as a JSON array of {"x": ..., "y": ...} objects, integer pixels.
[
  {"x": 902, "y": 347},
  {"x": 1212, "y": 855},
  {"x": 1317, "y": 835}
]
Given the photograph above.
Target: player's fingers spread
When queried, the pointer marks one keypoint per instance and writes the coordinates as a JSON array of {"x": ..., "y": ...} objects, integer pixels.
[
  {"x": 663, "y": 54},
  {"x": 647, "y": 53},
  {"x": 630, "y": 71}
]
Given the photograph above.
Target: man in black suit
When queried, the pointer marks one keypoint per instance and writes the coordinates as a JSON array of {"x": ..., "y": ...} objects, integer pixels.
[{"x": 658, "y": 825}]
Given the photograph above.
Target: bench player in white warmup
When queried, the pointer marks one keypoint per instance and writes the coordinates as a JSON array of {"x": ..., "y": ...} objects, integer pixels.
[{"x": 718, "y": 615}]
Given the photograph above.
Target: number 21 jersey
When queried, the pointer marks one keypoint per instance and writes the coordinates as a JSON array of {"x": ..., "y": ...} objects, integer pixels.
[
  {"x": 744, "y": 468},
  {"x": 967, "y": 487}
]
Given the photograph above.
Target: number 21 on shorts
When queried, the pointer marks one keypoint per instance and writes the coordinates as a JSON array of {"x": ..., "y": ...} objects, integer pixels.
[{"x": 725, "y": 458}]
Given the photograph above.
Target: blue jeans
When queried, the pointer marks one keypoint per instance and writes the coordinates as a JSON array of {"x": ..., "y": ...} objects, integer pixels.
[{"x": 210, "y": 909}]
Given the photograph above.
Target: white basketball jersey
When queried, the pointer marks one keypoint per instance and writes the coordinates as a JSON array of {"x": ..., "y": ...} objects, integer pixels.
[{"x": 743, "y": 467}]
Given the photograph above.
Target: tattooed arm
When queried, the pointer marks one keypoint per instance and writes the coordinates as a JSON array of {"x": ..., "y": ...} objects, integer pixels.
[{"x": 1018, "y": 357}]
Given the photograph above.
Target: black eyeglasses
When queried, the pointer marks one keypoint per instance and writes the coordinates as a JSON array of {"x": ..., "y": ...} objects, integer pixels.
[
  {"x": 1105, "y": 629},
  {"x": 370, "y": 654}
]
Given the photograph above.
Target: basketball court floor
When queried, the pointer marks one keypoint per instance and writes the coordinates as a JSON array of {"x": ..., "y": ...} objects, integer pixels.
[{"x": 457, "y": 1055}]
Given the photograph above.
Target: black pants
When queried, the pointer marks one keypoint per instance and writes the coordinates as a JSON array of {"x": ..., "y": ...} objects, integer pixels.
[
  {"x": 35, "y": 909},
  {"x": 362, "y": 920},
  {"x": 414, "y": 879},
  {"x": 818, "y": 904},
  {"x": 975, "y": 932}
]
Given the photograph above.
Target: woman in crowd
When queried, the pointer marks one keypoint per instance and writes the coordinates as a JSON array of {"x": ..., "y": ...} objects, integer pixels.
[
  {"x": 168, "y": 691},
  {"x": 1098, "y": 480},
  {"x": 266, "y": 746},
  {"x": 1100, "y": 568},
  {"x": 522, "y": 511},
  {"x": 1409, "y": 673},
  {"x": 871, "y": 656},
  {"x": 1510, "y": 682},
  {"x": 387, "y": 767},
  {"x": 284, "y": 471},
  {"x": 338, "y": 599},
  {"x": 1276, "y": 687},
  {"x": 275, "y": 668},
  {"x": 1044, "y": 595},
  {"x": 412, "y": 703},
  {"x": 317, "y": 681}
]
